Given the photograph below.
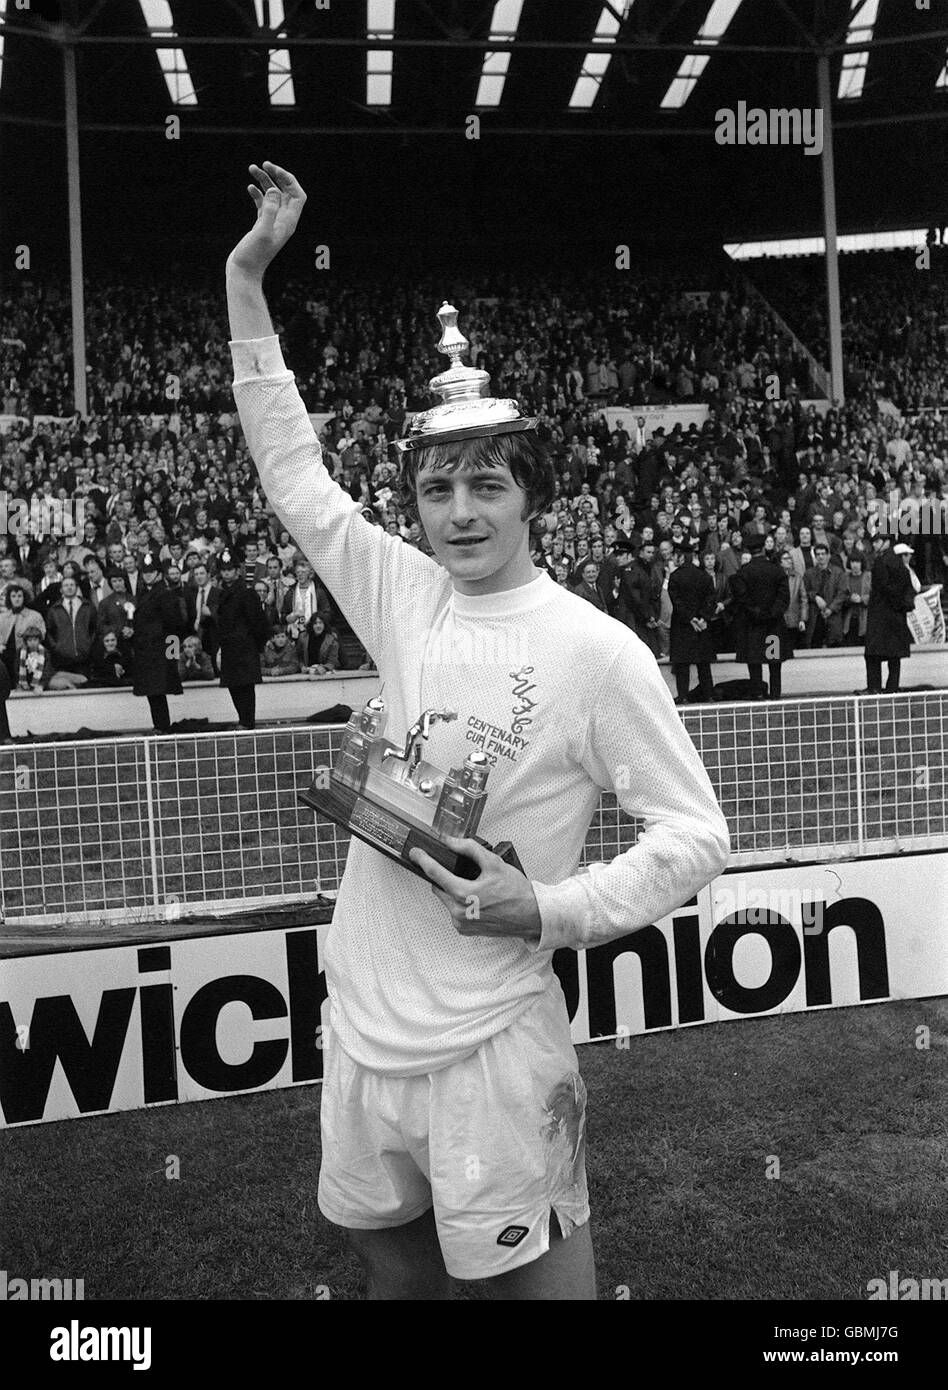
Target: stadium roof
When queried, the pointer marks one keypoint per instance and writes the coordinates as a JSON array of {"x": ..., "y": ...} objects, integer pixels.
[{"x": 596, "y": 117}]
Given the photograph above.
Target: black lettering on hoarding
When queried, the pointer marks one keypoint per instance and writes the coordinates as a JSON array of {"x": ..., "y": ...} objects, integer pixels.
[
  {"x": 159, "y": 1063},
  {"x": 56, "y": 1031},
  {"x": 785, "y": 959},
  {"x": 652, "y": 950},
  {"x": 869, "y": 930},
  {"x": 689, "y": 977},
  {"x": 566, "y": 969},
  {"x": 307, "y": 992},
  {"x": 199, "y": 1054}
]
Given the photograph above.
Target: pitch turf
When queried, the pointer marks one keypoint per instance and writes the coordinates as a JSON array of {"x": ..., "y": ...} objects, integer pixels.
[{"x": 682, "y": 1128}]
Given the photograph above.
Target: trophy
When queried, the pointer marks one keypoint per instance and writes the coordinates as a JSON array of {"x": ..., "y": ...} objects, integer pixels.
[
  {"x": 389, "y": 796},
  {"x": 395, "y": 801}
]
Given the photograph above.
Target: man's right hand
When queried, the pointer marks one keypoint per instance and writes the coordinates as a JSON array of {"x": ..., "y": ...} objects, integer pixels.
[{"x": 279, "y": 201}]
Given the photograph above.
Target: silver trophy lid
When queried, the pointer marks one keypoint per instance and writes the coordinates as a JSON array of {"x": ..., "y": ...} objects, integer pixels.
[{"x": 466, "y": 410}]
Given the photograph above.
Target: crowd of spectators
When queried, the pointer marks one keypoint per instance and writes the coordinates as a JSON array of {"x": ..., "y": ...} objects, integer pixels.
[
  {"x": 894, "y": 313},
  {"x": 171, "y": 476}
]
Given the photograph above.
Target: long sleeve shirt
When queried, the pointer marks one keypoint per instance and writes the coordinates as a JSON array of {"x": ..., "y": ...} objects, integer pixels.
[{"x": 565, "y": 701}]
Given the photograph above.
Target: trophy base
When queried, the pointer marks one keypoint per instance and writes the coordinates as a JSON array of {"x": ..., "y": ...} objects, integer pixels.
[{"x": 385, "y": 831}]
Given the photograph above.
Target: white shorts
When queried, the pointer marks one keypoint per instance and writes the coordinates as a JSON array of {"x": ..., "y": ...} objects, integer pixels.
[{"x": 493, "y": 1143}]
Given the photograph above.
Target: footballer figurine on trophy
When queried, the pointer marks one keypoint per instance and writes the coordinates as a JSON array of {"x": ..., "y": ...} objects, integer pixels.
[{"x": 384, "y": 793}]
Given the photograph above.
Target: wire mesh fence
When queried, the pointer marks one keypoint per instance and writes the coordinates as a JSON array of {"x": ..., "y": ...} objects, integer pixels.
[{"x": 146, "y": 828}]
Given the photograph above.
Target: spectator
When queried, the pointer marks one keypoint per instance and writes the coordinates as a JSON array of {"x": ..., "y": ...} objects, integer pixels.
[
  {"x": 586, "y": 588},
  {"x": 111, "y": 659},
  {"x": 242, "y": 626},
  {"x": 33, "y": 662},
  {"x": 323, "y": 646},
  {"x": 891, "y": 599},
  {"x": 16, "y": 619},
  {"x": 856, "y": 605},
  {"x": 71, "y": 629},
  {"x": 761, "y": 594},
  {"x": 202, "y": 602},
  {"x": 719, "y": 624},
  {"x": 279, "y": 655},
  {"x": 797, "y": 610},
  {"x": 194, "y": 664},
  {"x": 115, "y": 612},
  {"x": 826, "y": 593},
  {"x": 691, "y": 592},
  {"x": 157, "y": 628}
]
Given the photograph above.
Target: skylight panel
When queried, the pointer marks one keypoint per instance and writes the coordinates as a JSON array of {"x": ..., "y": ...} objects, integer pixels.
[
  {"x": 270, "y": 15},
  {"x": 853, "y": 72},
  {"x": 174, "y": 67},
  {"x": 596, "y": 64},
  {"x": 693, "y": 65},
  {"x": 503, "y": 29},
  {"x": 816, "y": 245},
  {"x": 380, "y": 24}
]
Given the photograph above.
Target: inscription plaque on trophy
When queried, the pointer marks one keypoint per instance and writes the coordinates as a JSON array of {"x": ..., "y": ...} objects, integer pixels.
[{"x": 393, "y": 800}]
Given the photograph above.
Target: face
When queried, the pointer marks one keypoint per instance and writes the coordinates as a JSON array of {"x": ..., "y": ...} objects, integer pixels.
[
  {"x": 228, "y": 573},
  {"x": 110, "y": 642},
  {"x": 806, "y": 535},
  {"x": 304, "y": 573},
  {"x": 69, "y": 587},
  {"x": 486, "y": 504},
  {"x": 200, "y": 575}
]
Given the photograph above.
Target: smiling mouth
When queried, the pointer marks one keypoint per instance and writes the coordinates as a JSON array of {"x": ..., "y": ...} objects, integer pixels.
[{"x": 468, "y": 540}]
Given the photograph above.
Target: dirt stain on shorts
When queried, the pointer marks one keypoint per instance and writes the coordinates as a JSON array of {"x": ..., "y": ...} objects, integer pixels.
[{"x": 565, "y": 1132}]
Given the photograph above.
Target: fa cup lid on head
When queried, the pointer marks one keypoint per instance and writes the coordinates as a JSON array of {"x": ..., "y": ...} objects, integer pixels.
[{"x": 466, "y": 410}]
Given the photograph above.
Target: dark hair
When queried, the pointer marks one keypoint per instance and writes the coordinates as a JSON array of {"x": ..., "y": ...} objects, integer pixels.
[{"x": 524, "y": 453}]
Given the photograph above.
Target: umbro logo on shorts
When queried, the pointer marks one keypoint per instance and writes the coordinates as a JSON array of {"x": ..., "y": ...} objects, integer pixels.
[{"x": 513, "y": 1235}]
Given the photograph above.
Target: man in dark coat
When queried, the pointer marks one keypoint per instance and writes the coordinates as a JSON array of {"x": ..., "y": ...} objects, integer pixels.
[
  {"x": 761, "y": 593},
  {"x": 691, "y": 591},
  {"x": 639, "y": 598},
  {"x": 242, "y": 630},
  {"x": 891, "y": 598},
  {"x": 158, "y": 627}
]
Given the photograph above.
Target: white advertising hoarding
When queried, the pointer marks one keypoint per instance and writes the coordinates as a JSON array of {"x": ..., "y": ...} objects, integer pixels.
[{"x": 94, "y": 1031}]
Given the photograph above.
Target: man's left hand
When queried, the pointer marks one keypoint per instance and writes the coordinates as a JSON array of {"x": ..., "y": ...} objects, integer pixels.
[{"x": 499, "y": 902}]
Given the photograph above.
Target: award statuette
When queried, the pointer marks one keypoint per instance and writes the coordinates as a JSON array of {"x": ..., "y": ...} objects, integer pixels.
[{"x": 395, "y": 801}]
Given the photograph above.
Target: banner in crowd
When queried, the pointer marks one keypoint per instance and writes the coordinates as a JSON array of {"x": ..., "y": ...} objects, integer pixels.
[
  {"x": 667, "y": 416},
  {"x": 95, "y": 1031},
  {"x": 927, "y": 623},
  {"x": 7, "y": 422}
]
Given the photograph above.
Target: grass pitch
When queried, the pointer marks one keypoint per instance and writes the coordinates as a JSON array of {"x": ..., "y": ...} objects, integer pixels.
[{"x": 684, "y": 1127}]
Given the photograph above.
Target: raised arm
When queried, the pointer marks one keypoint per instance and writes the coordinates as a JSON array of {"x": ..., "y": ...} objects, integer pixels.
[
  {"x": 375, "y": 578},
  {"x": 279, "y": 201}
]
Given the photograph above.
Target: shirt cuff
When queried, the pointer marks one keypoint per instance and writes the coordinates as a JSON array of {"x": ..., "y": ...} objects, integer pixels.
[
  {"x": 563, "y": 909},
  {"x": 254, "y": 358}
]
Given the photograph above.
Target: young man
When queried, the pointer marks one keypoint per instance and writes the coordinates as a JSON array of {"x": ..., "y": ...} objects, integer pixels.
[{"x": 453, "y": 1112}]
